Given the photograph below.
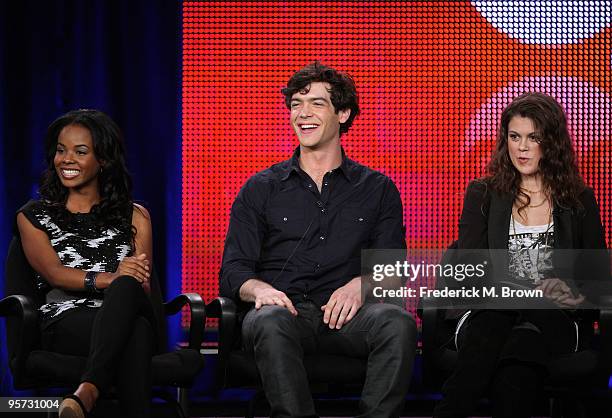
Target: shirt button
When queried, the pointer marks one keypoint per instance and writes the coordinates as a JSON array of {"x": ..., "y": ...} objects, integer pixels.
[
  {"x": 285, "y": 219},
  {"x": 320, "y": 204},
  {"x": 321, "y": 237},
  {"x": 310, "y": 186},
  {"x": 323, "y": 210},
  {"x": 360, "y": 219},
  {"x": 317, "y": 267},
  {"x": 325, "y": 184}
]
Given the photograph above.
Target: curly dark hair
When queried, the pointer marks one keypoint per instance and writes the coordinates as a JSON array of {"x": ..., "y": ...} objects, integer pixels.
[
  {"x": 558, "y": 167},
  {"x": 114, "y": 182},
  {"x": 343, "y": 92}
]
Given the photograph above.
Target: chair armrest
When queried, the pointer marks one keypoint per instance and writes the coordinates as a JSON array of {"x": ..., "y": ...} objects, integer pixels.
[
  {"x": 225, "y": 310},
  {"x": 605, "y": 337},
  {"x": 21, "y": 329},
  {"x": 428, "y": 312},
  {"x": 198, "y": 316}
]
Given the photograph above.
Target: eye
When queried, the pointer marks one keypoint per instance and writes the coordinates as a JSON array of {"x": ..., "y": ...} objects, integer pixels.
[
  {"x": 294, "y": 105},
  {"x": 513, "y": 137},
  {"x": 81, "y": 152},
  {"x": 59, "y": 150}
]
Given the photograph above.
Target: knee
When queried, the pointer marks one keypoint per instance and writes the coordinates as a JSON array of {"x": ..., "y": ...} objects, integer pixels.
[
  {"x": 270, "y": 320},
  {"x": 396, "y": 322},
  {"x": 125, "y": 284}
]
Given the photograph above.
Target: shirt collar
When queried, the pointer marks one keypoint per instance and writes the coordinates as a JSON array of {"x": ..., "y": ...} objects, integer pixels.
[{"x": 294, "y": 166}]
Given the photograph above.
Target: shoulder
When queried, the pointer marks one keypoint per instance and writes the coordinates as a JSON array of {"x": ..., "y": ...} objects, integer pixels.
[
  {"x": 478, "y": 190},
  {"x": 362, "y": 173},
  {"x": 262, "y": 183},
  {"x": 140, "y": 215},
  {"x": 34, "y": 207},
  {"x": 36, "y": 212},
  {"x": 588, "y": 201}
]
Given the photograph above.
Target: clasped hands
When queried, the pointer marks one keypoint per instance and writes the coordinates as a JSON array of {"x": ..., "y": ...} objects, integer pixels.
[
  {"x": 559, "y": 293},
  {"x": 341, "y": 307}
]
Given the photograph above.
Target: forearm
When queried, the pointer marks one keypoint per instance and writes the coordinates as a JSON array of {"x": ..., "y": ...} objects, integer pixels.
[
  {"x": 68, "y": 278},
  {"x": 249, "y": 289}
]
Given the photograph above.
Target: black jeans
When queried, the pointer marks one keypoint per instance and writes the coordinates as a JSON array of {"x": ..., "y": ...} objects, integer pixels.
[
  {"x": 118, "y": 340},
  {"x": 384, "y": 334},
  {"x": 498, "y": 355}
]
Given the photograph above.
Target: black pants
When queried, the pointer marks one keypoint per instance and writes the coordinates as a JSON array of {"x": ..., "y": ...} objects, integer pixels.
[
  {"x": 499, "y": 356},
  {"x": 118, "y": 340},
  {"x": 384, "y": 334}
]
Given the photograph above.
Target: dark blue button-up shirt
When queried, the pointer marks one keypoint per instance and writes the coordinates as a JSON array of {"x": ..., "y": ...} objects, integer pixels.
[{"x": 304, "y": 242}]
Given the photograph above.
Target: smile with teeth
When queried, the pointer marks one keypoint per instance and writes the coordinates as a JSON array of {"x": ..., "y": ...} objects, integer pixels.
[
  {"x": 308, "y": 127},
  {"x": 69, "y": 173}
]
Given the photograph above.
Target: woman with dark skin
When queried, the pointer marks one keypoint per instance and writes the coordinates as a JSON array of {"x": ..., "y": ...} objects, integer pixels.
[
  {"x": 532, "y": 203},
  {"x": 92, "y": 247}
]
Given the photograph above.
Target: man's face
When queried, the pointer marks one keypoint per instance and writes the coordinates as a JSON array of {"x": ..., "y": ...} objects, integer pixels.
[{"x": 314, "y": 118}]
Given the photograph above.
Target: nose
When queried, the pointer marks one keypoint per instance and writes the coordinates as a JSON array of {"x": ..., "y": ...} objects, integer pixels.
[
  {"x": 305, "y": 111},
  {"x": 523, "y": 144},
  {"x": 68, "y": 157}
]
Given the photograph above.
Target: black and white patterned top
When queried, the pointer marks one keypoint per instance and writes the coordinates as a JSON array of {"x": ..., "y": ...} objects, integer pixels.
[
  {"x": 79, "y": 245},
  {"x": 530, "y": 251}
]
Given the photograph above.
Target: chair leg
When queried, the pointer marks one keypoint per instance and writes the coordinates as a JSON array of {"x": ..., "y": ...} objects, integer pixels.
[
  {"x": 183, "y": 401},
  {"x": 252, "y": 405}
]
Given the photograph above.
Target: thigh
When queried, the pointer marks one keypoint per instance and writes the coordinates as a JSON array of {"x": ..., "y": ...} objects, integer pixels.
[
  {"x": 71, "y": 334},
  {"x": 372, "y": 320},
  {"x": 276, "y": 324},
  {"x": 559, "y": 332}
]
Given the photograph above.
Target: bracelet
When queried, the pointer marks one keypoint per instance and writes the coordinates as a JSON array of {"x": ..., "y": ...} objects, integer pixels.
[{"x": 90, "y": 282}]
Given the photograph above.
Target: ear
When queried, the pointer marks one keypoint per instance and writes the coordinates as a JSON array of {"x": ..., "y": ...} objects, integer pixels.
[{"x": 343, "y": 115}]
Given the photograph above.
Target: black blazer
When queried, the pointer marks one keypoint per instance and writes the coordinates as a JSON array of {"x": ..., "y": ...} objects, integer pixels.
[{"x": 485, "y": 220}]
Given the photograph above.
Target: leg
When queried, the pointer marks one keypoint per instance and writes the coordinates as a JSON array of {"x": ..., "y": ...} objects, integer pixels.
[
  {"x": 483, "y": 339},
  {"x": 124, "y": 302},
  {"x": 276, "y": 339},
  {"x": 516, "y": 386},
  {"x": 386, "y": 335},
  {"x": 134, "y": 371}
]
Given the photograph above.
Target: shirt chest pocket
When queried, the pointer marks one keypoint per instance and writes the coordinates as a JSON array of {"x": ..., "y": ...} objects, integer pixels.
[
  {"x": 291, "y": 223},
  {"x": 357, "y": 220}
]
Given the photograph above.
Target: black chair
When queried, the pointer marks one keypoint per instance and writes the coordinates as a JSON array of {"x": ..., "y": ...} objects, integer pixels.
[
  {"x": 332, "y": 375},
  {"x": 33, "y": 368},
  {"x": 572, "y": 378}
]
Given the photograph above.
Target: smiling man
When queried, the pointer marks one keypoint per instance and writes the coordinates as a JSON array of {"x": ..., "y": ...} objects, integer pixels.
[{"x": 292, "y": 256}]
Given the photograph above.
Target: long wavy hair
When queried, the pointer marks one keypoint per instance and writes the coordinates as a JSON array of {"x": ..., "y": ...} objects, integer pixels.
[
  {"x": 558, "y": 166},
  {"x": 114, "y": 182}
]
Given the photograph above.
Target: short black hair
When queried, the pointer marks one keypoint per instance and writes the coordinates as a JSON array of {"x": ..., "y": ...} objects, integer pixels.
[{"x": 343, "y": 92}]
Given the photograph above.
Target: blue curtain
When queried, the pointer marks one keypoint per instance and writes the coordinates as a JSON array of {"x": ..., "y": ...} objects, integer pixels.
[{"x": 122, "y": 57}]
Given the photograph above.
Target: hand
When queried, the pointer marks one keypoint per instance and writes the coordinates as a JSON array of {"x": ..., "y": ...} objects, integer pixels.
[
  {"x": 267, "y": 295},
  {"x": 137, "y": 267},
  {"x": 343, "y": 304},
  {"x": 560, "y": 293}
]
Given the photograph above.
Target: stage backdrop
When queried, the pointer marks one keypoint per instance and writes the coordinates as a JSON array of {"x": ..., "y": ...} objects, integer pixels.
[{"x": 432, "y": 78}]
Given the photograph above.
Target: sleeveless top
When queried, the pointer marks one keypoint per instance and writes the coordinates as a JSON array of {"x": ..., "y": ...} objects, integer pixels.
[{"x": 79, "y": 244}]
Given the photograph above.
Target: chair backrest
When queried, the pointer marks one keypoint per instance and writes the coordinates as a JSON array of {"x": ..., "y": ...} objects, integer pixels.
[
  {"x": 19, "y": 278},
  {"x": 158, "y": 309}
]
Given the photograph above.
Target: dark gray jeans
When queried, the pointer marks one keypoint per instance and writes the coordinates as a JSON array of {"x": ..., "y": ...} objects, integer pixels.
[{"x": 384, "y": 334}]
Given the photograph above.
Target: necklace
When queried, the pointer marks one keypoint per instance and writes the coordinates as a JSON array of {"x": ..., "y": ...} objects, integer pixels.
[{"x": 538, "y": 205}]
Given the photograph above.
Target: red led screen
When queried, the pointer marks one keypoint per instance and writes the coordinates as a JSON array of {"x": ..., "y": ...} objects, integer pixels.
[{"x": 432, "y": 79}]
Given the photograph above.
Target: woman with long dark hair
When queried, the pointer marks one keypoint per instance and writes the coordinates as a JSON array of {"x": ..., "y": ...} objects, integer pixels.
[
  {"x": 532, "y": 204},
  {"x": 91, "y": 248}
]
